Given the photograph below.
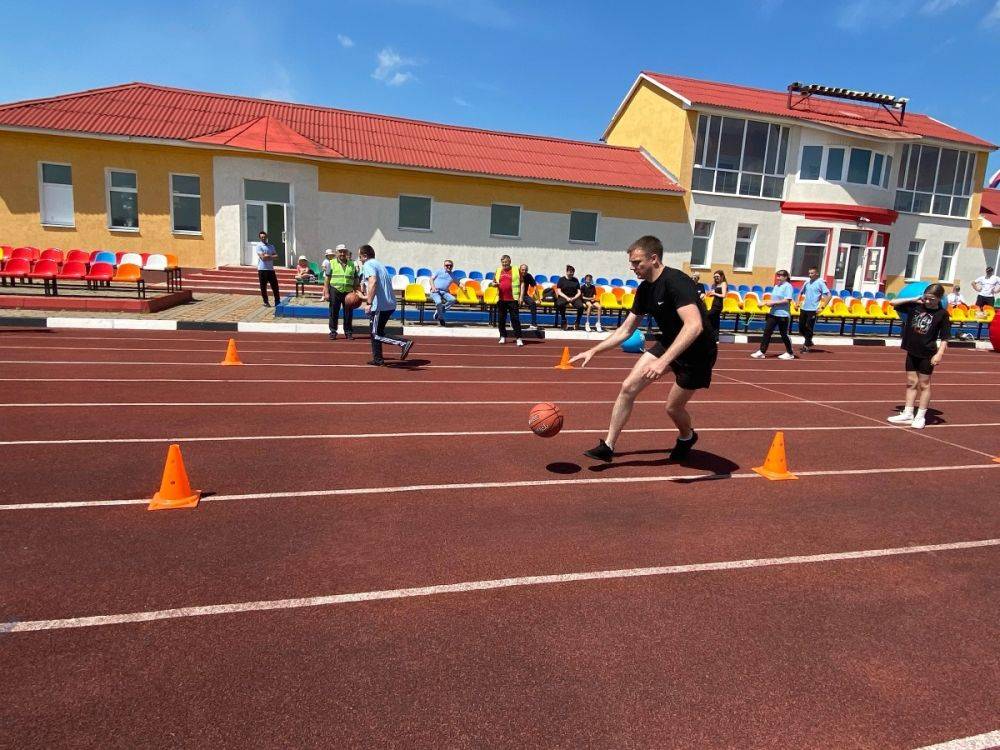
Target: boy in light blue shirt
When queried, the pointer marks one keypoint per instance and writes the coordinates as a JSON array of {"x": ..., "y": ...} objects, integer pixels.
[
  {"x": 815, "y": 295},
  {"x": 779, "y": 317},
  {"x": 380, "y": 304}
]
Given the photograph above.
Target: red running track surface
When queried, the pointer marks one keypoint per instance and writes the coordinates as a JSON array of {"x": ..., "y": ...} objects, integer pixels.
[{"x": 890, "y": 651}]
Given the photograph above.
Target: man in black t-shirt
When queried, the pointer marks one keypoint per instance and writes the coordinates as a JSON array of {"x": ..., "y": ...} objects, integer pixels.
[
  {"x": 568, "y": 293},
  {"x": 686, "y": 345},
  {"x": 528, "y": 285}
]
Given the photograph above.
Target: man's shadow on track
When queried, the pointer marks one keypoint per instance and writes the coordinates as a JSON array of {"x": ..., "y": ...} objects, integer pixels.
[
  {"x": 408, "y": 364},
  {"x": 718, "y": 466}
]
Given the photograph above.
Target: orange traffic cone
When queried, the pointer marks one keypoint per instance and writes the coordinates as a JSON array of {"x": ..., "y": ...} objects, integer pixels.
[
  {"x": 175, "y": 489},
  {"x": 232, "y": 356},
  {"x": 564, "y": 362},
  {"x": 996, "y": 460},
  {"x": 775, "y": 465}
]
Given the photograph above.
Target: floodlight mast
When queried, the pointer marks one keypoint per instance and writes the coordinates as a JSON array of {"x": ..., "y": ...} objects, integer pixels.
[{"x": 799, "y": 93}]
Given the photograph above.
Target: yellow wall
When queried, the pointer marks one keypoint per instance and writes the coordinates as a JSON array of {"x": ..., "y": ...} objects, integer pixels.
[
  {"x": 482, "y": 191},
  {"x": 20, "y": 222},
  {"x": 653, "y": 120},
  {"x": 975, "y": 239}
]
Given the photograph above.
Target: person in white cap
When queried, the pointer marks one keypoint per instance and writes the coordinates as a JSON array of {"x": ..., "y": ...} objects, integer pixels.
[
  {"x": 303, "y": 273},
  {"x": 340, "y": 278}
]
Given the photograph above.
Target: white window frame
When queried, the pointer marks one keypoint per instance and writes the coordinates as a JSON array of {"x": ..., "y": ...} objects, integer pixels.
[
  {"x": 170, "y": 190},
  {"x": 708, "y": 248},
  {"x": 401, "y": 228},
  {"x": 824, "y": 162},
  {"x": 821, "y": 264},
  {"x": 597, "y": 226},
  {"x": 107, "y": 198},
  {"x": 699, "y": 158},
  {"x": 968, "y": 176},
  {"x": 919, "y": 267},
  {"x": 41, "y": 196},
  {"x": 752, "y": 250},
  {"x": 951, "y": 265},
  {"x": 520, "y": 221}
]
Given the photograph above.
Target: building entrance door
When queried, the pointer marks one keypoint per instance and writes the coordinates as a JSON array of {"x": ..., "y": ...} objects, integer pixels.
[{"x": 270, "y": 218}]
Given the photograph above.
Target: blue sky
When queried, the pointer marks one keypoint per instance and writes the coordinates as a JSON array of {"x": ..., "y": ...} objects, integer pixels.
[{"x": 554, "y": 68}]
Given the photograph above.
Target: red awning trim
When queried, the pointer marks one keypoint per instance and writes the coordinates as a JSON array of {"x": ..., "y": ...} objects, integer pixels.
[{"x": 841, "y": 212}]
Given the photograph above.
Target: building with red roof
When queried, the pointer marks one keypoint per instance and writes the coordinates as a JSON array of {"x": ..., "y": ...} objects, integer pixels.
[
  {"x": 156, "y": 169},
  {"x": 853, "y": 183}
]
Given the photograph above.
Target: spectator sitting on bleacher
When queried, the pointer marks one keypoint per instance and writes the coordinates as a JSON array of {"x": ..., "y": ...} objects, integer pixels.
[
  {"x": 955, "y": 298},
  {"x": 303, "y": 272},
  {"x": 591, "y": 305},
  {"x": 568, "y": 294},
  {"x": 442, "y": 279}
]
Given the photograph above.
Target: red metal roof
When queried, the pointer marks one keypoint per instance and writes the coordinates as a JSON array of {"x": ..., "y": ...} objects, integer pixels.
[
  {"x": 846, "y": 115},
  {"x": 148, "y": 111},
  {"x": 989, "y": 209}
]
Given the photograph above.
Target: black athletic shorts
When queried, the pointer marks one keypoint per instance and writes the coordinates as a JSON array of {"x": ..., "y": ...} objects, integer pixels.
[
  {"x": 693, "y": 373},
  {"x": 919, "y": 364},
  {"x": 982, "y": 300}
]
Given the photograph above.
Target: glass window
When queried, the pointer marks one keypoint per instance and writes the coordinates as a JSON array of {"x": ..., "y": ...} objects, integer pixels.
[
  {"x": 123, "y": 200},
  {"x": 743, "y": 255},
  {"x": 414, "y": 212},
  {"x": 857, "y": 168},
  {"x": 700, "y": 256},
  {"x": 810, "y": 246},
  {"x": 912, "y": 272},
  {"x": 185, "y": 196},
  {"x": 946, "y": 172},
  {"x": 888, "y": 171},
  {"x": 56, "y": 195},
  {"x": 927, "y": 168},
  {"x": 505, "y": 221},
  {"x": 935, "y": 180},
  {"x": 947, "y": 261},
  {"x": 835, "y": 164},
  {"x": 878, "y": 161},
  {"x": 583, "y": 226},
  {"x": 812, "y": 156},
  {"x": 733, "y": 156},
  {"x": 266, "y": 192}
]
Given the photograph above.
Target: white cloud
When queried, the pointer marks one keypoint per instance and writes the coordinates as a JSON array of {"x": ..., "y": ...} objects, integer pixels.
[
  {"x": 935, "y": 7},
  {"x": 993, "y": 17},
  {"x": 460, "y": 101},
  {"x": 860, "y": 15},
  {"x": 345, "y": 41},
  {"x": 279, "y": 86},
  {"x": 390, "y": 68}
]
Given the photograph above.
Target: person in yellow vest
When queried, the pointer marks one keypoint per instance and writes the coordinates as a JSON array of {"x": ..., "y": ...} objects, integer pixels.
[
  {"x": 340, "y": 279},
  {"x": 507, "y": 280}
]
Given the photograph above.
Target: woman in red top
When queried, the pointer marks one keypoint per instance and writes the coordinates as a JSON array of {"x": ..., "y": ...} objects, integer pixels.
[{"x": 508, "y": 281}]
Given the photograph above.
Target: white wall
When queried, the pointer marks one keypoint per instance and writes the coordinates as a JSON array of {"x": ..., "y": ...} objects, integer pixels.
[
  {"x": 229, "y": 174},
  {"x": 461, "y": 232}
]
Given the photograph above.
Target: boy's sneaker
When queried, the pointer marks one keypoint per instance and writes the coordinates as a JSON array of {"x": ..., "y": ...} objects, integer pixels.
[
  {"x": 901, "y": 418},
  {"x": 601, "y": 452},
  {"x": 757, "y": 354},
  {"x": 520, "y": 342},
  {"x": 333, "y": 337},
  {"x": 587, "y": 328},
  {"x": 406, "y": 350},
  {"x": 599, "y": 329},
  {"x": 786, "y": 355},
  {"x": 502, "y": 340},
  {"x": 803, "y": 349},
  {"x": 683, "y": 447},
  {"x": 376, "y": 362},
  {"x": 918, "y": 423}
]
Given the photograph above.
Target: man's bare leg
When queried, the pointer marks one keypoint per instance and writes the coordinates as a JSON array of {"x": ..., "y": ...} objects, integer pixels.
[
  {"x": 632, "y": 386},
  {"x": 677, "y": 410}
]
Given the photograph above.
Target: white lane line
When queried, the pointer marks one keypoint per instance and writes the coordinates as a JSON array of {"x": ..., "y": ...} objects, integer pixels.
[
  {"x": 985, "y": 741},
  {"x": 435, "y": 404},
  {"x": 356, "y": 491},
  {"x": 463, "y": 587},
  {"x": 801, "y": 366},
  {"x": 449, "y": 434},
  {"x": 918, "y": 433}
]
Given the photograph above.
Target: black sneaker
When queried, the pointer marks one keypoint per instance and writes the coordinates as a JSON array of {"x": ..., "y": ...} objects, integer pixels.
[
  {"x": 683, "y": 447},
  {"x": 441, "y": 322},
  {"x": 376, "y": 362},
  {"x": 803, "y": 349},
  {"x": 601, "y": 452},
  {"x": 406, "y": 350},
  {"x": 333, "y": 337},
  {"x": 349, "y": 336},
  {"x": 267, "y": 304}
]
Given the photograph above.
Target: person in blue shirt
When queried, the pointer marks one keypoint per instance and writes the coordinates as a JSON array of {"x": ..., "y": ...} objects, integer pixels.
[
  {"x": 815, "y": 296},
  {"x": 380, "y": 304},
  {"x": 779, "y": 317},
  {"x": 265, "y": 268},
  {"x": 441, "y": 282}
]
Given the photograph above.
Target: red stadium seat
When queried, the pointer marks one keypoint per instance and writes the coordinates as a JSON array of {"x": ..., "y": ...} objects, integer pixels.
[
  {"x": 78, "y": 256},
  {"x": 16, "y": 268},
  {"x": 73, "y": 269},
  {"x": 100, "y": 273},
  {"x": 23, "y": 253},
  {"x": 54, "y": 254},
  {"x": 46, "y": 270}
]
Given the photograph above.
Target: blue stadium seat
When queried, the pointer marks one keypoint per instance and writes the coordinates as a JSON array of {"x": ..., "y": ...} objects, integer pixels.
[
  {"x": 742, "y": 289},
  {"x": 391, "y": 271},
  {"x": 424, "y": 272},
  {"x": 631, "y": 284},
  {"x": 408, "y": 273},
  {"x": 459, "y": 274},
  {"x": 758, "y": 290},
  {"x": 879, "y": 295},
  {"x": 105, "y": 256},
  {"x": 844, "y": 294},
  {"x": 868, "y": 295},
  {"x": 601, "y": 281},
  {"x": 856, "y": 294},
  {"x": 553, "y": 279},
  {"x": 476, "y": 275},
  {"x": 768, "y": 289},
  {"x": 617, "y": 282},
  {"x": 489, "y": 275}
]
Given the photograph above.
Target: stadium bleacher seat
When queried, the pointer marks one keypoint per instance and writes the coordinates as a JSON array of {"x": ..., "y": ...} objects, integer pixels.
[
  {"x": 601, "y": 281},
  {"x": 408, "y": 273},
  {"x": 631, "y": 283},
  {"x": 104, "y": 256},
  {"x": 134, "y": 259},
  {"x": 100, "y": 273},
  {"x": 130, "y": 273},
  {"x": 476, "y": 275},
  {"x": 400, "y": 282},
  {"x": 55, "y": 255},
  {"x": 16, "y": 268},
  {"x": 390, "y": 270},
  {"x": 46, "y": 269},
  {"x": 424, "y": 272},
  {"x": 72, "y": 270}
]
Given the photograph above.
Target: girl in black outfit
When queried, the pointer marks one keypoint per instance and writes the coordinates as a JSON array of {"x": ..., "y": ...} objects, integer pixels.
[{"x": 719, "y": 289}]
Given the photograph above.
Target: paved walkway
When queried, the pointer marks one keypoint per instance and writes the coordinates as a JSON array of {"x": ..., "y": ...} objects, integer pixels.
[{"x": 226, "y": 308}]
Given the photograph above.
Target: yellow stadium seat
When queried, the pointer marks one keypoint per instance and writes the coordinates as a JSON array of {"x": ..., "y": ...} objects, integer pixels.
[
  {"x": 415, "y": 293},
  {"x": 491, "y": 296},
  {"x": 628, "y": 300},
  {"x": 731, "y": 305}
]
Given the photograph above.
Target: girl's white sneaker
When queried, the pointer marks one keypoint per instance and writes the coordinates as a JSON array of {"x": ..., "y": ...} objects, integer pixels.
[
  {"x": 901, "y": 418},
  {"x": 758, "y": 354},
  {"x": 918, "y": 423},
  {"x": 786, "y": 355}
]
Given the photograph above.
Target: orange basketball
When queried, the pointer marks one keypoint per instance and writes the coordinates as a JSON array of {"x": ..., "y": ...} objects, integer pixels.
[
  {"x": 352, "y": 300},
  {"x": 545, "y": 419}
]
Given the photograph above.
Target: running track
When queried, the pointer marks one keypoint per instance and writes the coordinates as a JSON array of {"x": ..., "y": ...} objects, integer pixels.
[{"x": 388, "y": 558}]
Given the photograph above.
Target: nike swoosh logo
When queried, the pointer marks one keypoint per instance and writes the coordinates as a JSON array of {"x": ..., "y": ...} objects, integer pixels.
[{"x": 659, "y": 303}]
